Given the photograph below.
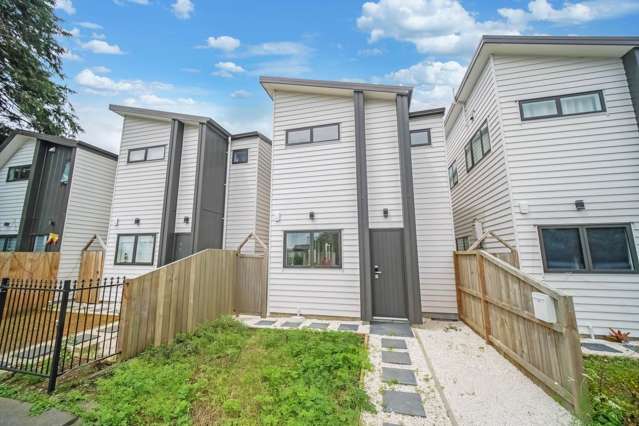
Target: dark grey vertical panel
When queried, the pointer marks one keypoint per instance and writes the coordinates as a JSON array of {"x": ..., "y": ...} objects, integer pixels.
[
  {"x": 631, "y": 65},
  {"x": 408, "y": 208},
  {"x": 23, "y": 239},
  {"x": 365, "y": 290},
  {"x": 172, "y": 182},
  {"x": 389, "y": 291}
]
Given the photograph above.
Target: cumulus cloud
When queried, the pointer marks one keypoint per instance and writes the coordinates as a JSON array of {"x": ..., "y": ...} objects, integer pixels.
[
  {"x": 183, "y": 8},
  {"x": 102, "y": 47},
  {"x": 569, "y": 12},
  {"x": 75, "y": 32},
  {"x": 99, "y": 84},
  {"x": 70, "y": 56},
  {"x": 154, "y": 101},
  {"x": 65, "y": 5},
  {"x": 225, "y": 43},
  {"x": 240, "y": 94},
  {"x": 227, "y": 69},
  {"x": 101, "y": 69},
  {"x": 278, "y": 48},
  {"x": 90, "y": 25}
]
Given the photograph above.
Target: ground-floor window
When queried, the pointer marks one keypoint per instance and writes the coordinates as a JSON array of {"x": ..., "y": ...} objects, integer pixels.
[
  {"x": 40, "y": 242},
  {"x": 588, "y": 248},
  {"x": 135, "y": 249},
  {"x": 7, "y": 243},
  {"x": 462, "y": 243},
  {"x": 312, "y": 249}
]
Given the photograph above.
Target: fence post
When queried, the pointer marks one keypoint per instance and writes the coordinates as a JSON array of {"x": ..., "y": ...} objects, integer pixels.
[
  {"x": 481, "y": 275},
  {"x": 59, "y": 332},
  {"x": 458, "y": 293},
  {"x": 4, "y": 289},
  {"x": 573, "y": 357}
]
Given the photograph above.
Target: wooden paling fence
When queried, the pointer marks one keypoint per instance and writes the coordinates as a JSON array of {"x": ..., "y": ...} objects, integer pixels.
[
  {"x": 250, "y": 290},
  {"x": 495, "y": 299}
]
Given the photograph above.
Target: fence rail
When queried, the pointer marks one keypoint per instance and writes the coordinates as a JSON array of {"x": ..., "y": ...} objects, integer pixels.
[{"x": 495, "y": 299}]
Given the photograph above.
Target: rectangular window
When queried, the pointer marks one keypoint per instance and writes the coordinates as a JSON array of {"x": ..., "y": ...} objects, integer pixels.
[
  {"x": 40, "y": 242},
  {"x": 588, "y": 248},
  {"x": 135, "y": 249},
  {"x": 420, "y": 137},
  {"x": 240, "y": 156},
  {"x": 312, "y": 249},
  {"x": 558, "y": 106},
  {"x": 17, "y": 173},
  {"x": 65, "y": 173},
  {"x": 325, "y": 133},
  {"x": 453, "y": 177},
  {"x": 151, "y": 153},
  {"x": 478, "y": 147},
  {"x": 8, "y": 243},
  {"x": 462, "y": 243}
]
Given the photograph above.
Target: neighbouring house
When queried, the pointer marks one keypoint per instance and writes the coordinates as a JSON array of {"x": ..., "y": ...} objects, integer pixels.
[
  {"x": 361, "y": 223},
  {"x": 55, "y": 196},
  {"x": 543, "y": 150},
  {"x": 171, "y": 197}
]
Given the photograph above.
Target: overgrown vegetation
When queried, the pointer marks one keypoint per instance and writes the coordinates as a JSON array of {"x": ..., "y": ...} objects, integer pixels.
[
  {"x": 614, "y": 389},
  {"x": 225, "y": 373}
]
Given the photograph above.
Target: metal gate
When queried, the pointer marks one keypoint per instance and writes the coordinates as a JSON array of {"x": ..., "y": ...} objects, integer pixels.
[{"x": 48, "y": 328}]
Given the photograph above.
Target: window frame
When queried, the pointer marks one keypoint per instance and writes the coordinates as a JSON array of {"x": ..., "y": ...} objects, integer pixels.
[
  {"x": 481, "y": 143},
  {"x": 238, "y": 150},
  {"x": 23, "y": 166},
  {"x": 585, "y": 249},
  {"x": 312, "y": 231},
  {"x": 465, "y": 238},
  {"x": 453, "y": 183},
  {"x": 428, "y": 138},
  {"x": 35, "y": 238},
  {"x": 5, "y": 238},
  {"x": 135, "y": 250},
  {"x": 312, "y": 134},
  {"x": 557, "y": 99},
  {"x": 146, "y": 153}
]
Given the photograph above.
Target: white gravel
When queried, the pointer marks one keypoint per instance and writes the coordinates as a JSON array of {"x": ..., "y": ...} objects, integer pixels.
[{"x": 479, "y": 385}]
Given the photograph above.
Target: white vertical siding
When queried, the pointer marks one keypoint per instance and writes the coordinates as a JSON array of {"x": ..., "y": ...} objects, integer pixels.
[
  {"x": 553, "y": 162},
  {"x": 263, "y": 192},
  {"x": 481, "y": 194},
  {"x": 382, "y": 164},
  {"x": 241, "y": 197},
  {"x": 186, "y": 186},
  {"x": 320, "y": 178},
  {"x": 433, "y": 219},
  {"x": 88, "y": 208},
  {"x": 139, "y": 191},
  {"x": 12, "y": 193}
]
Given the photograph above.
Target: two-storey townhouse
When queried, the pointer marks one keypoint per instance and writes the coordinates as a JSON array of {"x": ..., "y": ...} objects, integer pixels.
[{"x": 543, "y": 150}]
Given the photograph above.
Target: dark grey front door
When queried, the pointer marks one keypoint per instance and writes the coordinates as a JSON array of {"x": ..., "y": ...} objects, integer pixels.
[{"x": 389, "y": 286}]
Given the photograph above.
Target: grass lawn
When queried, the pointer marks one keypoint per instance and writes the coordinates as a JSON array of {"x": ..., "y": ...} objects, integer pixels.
[
  {"x": 225, "y": 373},
  {"x": 614, "y": 389}
]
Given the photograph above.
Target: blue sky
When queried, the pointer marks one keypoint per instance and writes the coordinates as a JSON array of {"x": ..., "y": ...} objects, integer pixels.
[{"x": 205, "y": 57}]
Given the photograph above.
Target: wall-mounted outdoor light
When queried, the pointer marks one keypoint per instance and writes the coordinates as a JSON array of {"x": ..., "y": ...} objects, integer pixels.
[
  {"x": 311, "y": 215},
  {"x": 580, "y": 205},
  {"x": 186, "y": 219},
  {"x": 136, "y": 221},
  {"x": 385, "y": 212},
  {"x": 7, "y": 224}
]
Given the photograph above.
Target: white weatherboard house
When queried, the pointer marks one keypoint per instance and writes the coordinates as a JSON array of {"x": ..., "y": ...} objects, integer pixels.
[
  {"x": 543, "y": 150},
  {"x": 51, "y": 185},
  {"x": 361, "y": 224},
  {"x": 171, "y": 197}
]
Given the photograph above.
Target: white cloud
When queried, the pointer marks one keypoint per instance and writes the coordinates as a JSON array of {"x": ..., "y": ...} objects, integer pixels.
[
  {"x": 90, "y": 25},
  {"x": 99, "y": 84},
  {"x": 240, "y": 94},
  {"x": 75, "y": 32},
  {"x": 102, "y": 47},
  {"x": 278, "y": 48},
  {"x": 154, "y": 101},
  {"x": 569, "y": 13},
  {"x": 101, "y": 69},
  {"x": 98, "y": 36},
  {"x": 183, "y": 8},
  {"x": 70, "y": 56},
  {"x": 227, "y": 69},
  {"x": 225, "y": 43},
  {"x": 65, "y": 5}
]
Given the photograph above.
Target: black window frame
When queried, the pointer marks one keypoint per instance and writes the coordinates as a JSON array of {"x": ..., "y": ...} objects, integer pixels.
[
  {"x": 585, "y": 249},
  {"x": 135, "y": 250},
  {"x": 146, "y": 153},
  {"x": 3, "y": 242},
  {"x": 557, "y": 99},
  {"x": 455, "y": 178},
  {"x": 21, "y": 167},
  {"x": 428, "y": 138},
  {"x": 239, "y": 150},
  {"x": 481, "y": 142},
  {"x": 311, "y": 128},
  {"x": 312, "y": 231}
]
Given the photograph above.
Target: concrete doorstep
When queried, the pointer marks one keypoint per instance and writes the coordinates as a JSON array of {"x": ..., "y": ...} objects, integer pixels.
[{"x": 16, "y": 413}]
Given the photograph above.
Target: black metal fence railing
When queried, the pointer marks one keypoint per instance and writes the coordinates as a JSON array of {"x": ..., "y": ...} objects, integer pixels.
[{"x": 48, "y": 328}]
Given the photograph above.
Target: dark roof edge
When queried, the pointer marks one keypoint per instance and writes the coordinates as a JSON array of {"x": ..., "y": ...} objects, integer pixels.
[
  {"x": 563, "y": 40},
  {"x": 427, "y": 112},
  {"x": 403, "y": 90},
  {"x": 252, "y": 135},
  {"x": 59, "y": 140}
]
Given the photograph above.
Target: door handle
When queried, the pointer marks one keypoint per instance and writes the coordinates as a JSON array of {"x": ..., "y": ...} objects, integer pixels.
[{"x": 376, "y": 271}]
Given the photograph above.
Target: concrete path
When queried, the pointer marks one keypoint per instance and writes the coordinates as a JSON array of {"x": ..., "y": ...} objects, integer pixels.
[{"x": 16, "y": 413}]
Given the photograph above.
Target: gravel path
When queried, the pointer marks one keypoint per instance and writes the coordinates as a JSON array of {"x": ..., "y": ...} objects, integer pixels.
[{"x": 479, "y": 385}]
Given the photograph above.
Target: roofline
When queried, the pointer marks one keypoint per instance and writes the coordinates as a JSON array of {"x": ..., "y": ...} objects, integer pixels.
[
  {"x": 331, "y": 84},
  {"x": 427, "y": 112},
  {"x": 254, "y": 134},
  {"x": 128, "y": 110},
  {"x": 58, "y": 140}
]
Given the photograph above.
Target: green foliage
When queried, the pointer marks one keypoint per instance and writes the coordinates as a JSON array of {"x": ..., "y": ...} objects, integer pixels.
[
  {"x": 30, "y": 62},
  {"x": 613, "y": 383}
]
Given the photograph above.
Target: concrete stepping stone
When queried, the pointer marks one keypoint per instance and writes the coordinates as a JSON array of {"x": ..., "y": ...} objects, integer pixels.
[
  {"x": 599, "y": 347},
  {"x": 399, "y": 376},
  {"x": 318, "y": 325},
  {"x": 401, "y": 358},
  {"x": 36, "y": 352},
  {"x": 391, "y": 329},
  {"x": 265, "y": 322},
  {"x": 17, "y": 413},
  {"x": 292, "y": 324},
  {"x": 390, "y": 424},
  {"x": 348, "y": 327},
  {"x": 408, "y": 403},
  {"x": 83, "y": 338},
  {"x": 393, "y": 344},
  {"x": 634, "y": 348},
  {"x": 111, "y": 329}
]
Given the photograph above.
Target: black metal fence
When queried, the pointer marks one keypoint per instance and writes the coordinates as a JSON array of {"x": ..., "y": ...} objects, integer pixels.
[{"x": 48, "y": 328}]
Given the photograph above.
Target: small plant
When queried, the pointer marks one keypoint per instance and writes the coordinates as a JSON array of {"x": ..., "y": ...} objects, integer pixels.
[{"x": 618, "y": 336}]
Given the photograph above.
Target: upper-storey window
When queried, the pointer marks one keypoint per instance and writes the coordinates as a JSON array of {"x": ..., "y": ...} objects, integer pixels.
[
  {"x": 420, "y": 137},
  {"x": 557, "y": 106},
  {"x": 17, "y": 173},
  {"x": 240, "y": 156},
  {"x": 325, "y": 133},
  {"x": 478, "y": 147},
  {"x": 453, "y": 177},
  {"x": 151, "y": 153}
]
